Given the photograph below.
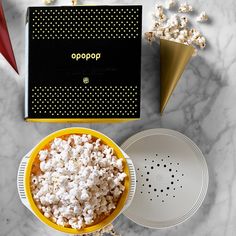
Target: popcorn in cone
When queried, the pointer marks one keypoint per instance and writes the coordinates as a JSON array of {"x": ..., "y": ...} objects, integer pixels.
[
  {"x": 5, "y": 43},
  {"x": 173, "y": 58}
]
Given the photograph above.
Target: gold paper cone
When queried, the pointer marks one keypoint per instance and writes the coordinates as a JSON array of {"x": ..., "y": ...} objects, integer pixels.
[{"x": 173, "y": 58}]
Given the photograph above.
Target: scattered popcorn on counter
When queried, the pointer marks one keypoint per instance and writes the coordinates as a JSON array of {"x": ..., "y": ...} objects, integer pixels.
[
  {"x": 203, "y": 17},
  {"x": 74, "y": 2},
  {"x": 175, "y": 27},
  {"x": 81, "y": 180},
  {"x": 185, "y": 8},
  {"x": 47, "y": 2},
  {"x": 106, "y": 230}
]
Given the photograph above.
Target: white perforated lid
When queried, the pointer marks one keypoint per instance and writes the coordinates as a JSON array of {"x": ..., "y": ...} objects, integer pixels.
[{"x": 172, "y": 178}]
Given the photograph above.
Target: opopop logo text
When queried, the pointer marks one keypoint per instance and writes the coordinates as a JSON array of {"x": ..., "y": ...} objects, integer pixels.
[{"x": 86, "y": 56}]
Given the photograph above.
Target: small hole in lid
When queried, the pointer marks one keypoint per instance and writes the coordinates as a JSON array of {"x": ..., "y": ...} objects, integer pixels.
[
  {"x": 172, "y": 182},
  {"x": 148, "y": 192},
  {"x": 177, "y": 163},
  {"x": 149, "y": 185},
  {"x": 178, "y": 180},
  {"x": 170, "y": 169},
  {"x": 172, "y": 176},
  {"x": 141, "y": 192},
  {"x": 155, "y": 189},
  {"x": 158, "y": 164},
  {"x": 150, "y": 199},
  {"x": 162, "y": 200},
  {"x": 156, "y": 154},
  {"x": 162, "y": 190},
  {"x": 182, "y": 174},
  {"x": 148, "y": 173},
  {"x": 181, "y": 186},
  {"x": 145, "y": 166},
  {"x": 157, "y": 195},
  {"x": 152, "y": 167},
  {"x": 138, "y": 169},
  {"x": 167, "y": 194},
  {"x": 171, "y": 163},
  {"x": 173, "y": 196},
  {"x": 176, "y": 171},
  {"x": 145, "y": 159},
  {"x": 143, "y": 184},
  {"x": 147, "y": 179},
  {"x": 141, "y": 175},
  {"x": 162, "y": 160},
  {"x": 164, "y": 165}
]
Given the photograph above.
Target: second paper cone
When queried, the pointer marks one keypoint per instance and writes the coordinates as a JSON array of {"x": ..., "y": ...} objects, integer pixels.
[{"x": 173, "y": 60}]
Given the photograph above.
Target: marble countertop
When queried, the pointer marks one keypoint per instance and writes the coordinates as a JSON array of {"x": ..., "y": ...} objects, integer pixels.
[{"x": 202, "y": 107}]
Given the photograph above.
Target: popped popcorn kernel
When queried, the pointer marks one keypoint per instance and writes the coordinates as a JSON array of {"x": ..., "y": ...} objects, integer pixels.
[
  {"x": 203, "y": 17},
  {"x": 170, "y": 4},
  {"x": 185, "y": 8},
  {"x": 74, "y": 2},
  {"x": 159, "y": 9},
  {"x": 47, "y": 2},
  {"x": 183, "y": 22},
  {"x": 149, "y": 36}
]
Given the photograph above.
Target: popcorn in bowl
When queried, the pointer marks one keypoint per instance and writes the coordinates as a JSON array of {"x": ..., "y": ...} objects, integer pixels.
[{"x": 77, "y": 180}]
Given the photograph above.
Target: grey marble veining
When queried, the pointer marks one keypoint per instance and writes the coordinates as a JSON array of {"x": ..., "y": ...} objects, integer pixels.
[{"x": 202, "y": 107}]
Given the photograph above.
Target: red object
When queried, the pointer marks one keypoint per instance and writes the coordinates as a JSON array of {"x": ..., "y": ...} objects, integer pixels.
[{"x": 5, "y": 42}]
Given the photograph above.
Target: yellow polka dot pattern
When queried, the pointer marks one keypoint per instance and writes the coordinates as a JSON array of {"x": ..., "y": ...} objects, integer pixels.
[
  {"x": 86, "y": 23},
  {"x": 85, "y": 101}
]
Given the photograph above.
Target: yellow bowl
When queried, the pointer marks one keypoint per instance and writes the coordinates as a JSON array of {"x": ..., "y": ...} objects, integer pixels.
[{"x": 121, "y": 202}]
